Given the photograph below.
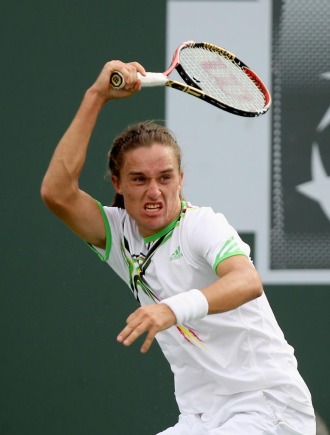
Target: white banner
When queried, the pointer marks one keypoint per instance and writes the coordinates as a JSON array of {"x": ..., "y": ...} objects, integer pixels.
[{"x": 228, "y": 159}]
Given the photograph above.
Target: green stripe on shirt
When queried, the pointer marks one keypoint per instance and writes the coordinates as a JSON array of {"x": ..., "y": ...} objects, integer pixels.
[
  {"x": 108, "y": 236},
  {"x": 229, "y": 249}
]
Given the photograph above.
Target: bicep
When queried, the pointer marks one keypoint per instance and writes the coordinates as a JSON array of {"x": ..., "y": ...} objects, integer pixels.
[
  {"x": 235, "y": 263},
  {"x": 83, "y": 216},
  {"x": 238, "y": 283},
  {"x": 241, "y": 273}
]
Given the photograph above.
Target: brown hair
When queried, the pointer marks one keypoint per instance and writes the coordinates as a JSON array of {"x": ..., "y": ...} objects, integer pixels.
[{"x": 138, "y": 135}]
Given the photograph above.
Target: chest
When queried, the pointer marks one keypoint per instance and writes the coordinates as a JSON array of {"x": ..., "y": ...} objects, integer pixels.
[{"x": 158, "y": 269}]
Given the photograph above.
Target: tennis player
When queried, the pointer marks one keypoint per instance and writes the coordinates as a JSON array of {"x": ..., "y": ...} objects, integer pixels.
[{"x": 200, "y": 295}]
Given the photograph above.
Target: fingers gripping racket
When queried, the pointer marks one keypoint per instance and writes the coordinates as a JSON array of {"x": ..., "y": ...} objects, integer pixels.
[{"x": 213, "y": 74}]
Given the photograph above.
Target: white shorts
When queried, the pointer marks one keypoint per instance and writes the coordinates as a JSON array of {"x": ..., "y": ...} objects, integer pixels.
[{"x": 253, "y": 413}]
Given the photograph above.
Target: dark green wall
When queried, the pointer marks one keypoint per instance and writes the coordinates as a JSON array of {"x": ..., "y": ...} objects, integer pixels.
[{"x": 62, "y": 371}]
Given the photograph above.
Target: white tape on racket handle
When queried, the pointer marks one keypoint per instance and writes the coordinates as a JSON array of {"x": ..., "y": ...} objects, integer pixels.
[
  {"x": 149, "y": 80},
  {"x": 153, "y": 79}
]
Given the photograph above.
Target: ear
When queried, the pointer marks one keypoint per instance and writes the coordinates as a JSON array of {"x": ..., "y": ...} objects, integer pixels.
[
  {"x": 180, "y": 185},
  {"x": 116, "y": 184},
  {"x": 181, "y": 179}
]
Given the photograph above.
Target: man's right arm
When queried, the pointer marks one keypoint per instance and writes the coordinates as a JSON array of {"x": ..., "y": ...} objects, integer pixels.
[{"x": 60, "y": 187}]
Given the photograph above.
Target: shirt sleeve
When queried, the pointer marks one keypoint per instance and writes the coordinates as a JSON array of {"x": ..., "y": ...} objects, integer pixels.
[
  {"x": 103, "y": 253},
  {"x": 210, "y": 238},
  {"x": 114, "y": 219}
]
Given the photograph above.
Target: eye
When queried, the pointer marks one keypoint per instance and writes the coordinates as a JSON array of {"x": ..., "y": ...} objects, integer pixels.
[
  {"x": 138, "y": 179},
  {"x": 165, "y": 177}
]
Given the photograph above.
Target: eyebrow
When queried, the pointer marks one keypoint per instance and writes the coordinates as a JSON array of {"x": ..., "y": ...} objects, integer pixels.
[{"x": 165, "y": 171}]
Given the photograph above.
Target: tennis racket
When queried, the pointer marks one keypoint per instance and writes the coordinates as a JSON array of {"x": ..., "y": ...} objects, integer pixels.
[{"x": 214, "y": 75}]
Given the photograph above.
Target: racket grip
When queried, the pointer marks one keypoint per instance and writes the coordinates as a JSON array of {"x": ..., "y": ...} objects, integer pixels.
[{"x": 150, "y": 79}]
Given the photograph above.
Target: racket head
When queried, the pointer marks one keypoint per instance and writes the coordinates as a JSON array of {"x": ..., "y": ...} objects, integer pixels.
[{"x": 223, "y": 79}]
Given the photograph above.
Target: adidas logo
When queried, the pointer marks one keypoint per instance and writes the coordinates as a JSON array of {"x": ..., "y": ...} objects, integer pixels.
[{"x": 176, "y": 254}]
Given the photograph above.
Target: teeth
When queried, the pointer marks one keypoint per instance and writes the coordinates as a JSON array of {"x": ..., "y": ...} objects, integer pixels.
[{"x": 152, "y": 207}]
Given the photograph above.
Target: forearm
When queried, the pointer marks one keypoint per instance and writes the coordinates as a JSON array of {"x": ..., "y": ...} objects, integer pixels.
[
  {"x": 63, "y": 173},
  {"x": 61, "y": 180}
]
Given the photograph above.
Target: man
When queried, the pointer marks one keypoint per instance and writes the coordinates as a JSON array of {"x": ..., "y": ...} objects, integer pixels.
[{"x": 200, "y": 295}]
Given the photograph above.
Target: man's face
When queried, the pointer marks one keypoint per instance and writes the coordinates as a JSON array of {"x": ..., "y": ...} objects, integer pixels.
[{"x": 150, "y": 182}]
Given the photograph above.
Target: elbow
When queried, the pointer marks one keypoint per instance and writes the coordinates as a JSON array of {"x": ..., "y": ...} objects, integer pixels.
[
  {"x": 253, "y": 287},
  {"x": 259, "y": 291},
  {"x": 48, "y": 194},
  {"x": 256, "y": 286},
  {"x": 45, "y": 192},
  {"x": 52, "y": 197}
]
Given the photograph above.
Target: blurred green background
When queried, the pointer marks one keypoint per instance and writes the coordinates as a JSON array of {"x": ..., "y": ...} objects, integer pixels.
[{"x": 62, "y": 371}]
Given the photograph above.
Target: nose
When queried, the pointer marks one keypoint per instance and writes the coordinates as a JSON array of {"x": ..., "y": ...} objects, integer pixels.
[{"x": 153, "y": 189}]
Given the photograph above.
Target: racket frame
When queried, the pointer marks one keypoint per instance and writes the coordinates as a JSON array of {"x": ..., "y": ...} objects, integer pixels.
[{"x": 191, "y": 87}]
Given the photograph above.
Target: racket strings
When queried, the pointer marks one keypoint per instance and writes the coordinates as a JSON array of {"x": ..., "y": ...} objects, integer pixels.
[{"x": 222, "y": 78}]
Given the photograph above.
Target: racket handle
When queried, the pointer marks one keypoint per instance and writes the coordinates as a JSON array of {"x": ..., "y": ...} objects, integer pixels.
[
  {"x": 117, "y": 80},
  {"x": 150, "y": 79}
]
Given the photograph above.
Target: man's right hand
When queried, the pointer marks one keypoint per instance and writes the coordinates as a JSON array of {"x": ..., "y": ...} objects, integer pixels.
[{"x": 129, "y": 72}]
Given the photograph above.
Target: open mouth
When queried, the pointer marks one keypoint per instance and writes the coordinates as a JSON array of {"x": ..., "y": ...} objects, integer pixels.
[{"x": 152, "y": 207}]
